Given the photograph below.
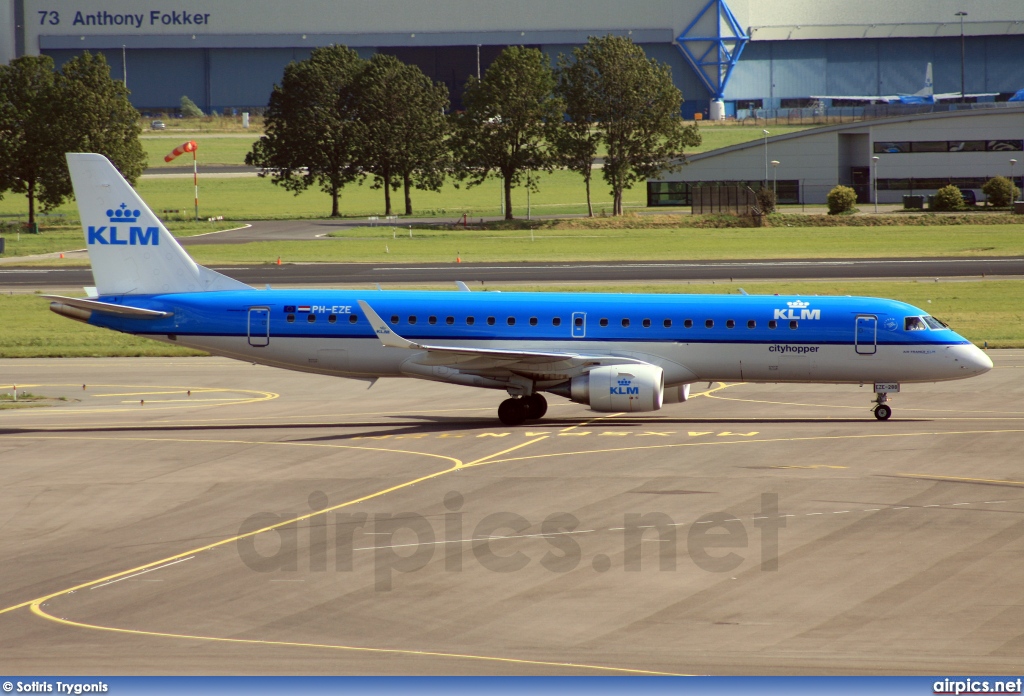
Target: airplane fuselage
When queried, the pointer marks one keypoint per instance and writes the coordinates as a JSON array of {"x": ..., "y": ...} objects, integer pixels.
[{"x": 691, "y": 337}]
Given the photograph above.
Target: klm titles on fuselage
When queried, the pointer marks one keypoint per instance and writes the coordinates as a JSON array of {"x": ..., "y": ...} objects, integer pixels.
[{"x": 797, "y": 310}]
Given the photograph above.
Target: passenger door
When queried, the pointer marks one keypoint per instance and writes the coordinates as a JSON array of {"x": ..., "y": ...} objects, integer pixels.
[
  {"x": 259, "y": 327},
  {"x": 866, "y": 335}
]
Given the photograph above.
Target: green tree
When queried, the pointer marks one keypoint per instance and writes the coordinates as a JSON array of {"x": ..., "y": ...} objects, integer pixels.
[
  {"x": 576, "y": 138},
  {"x": 841, "y": 199},
  {"x": 948, "y": 198},
  {"x": 44, "y": 114},
  {"x": 508, "y": 114},
  {"x": 402, "y": 112},
  {"x": 312, "y": 132},
  {"x": 1000, "y": 191},
  {"x": 189, "y": 108},
  {"x": 636, "y": 107}
]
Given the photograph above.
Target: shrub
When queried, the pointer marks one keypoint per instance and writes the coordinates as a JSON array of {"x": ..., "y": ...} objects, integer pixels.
[
  {"x": 766, "y": 200},
  {"x": 841, "y": 199},
  {"x": 1000, "y": 191},
  {"x": 189, "y": 108},
  {"x": 948, "y": 198}
]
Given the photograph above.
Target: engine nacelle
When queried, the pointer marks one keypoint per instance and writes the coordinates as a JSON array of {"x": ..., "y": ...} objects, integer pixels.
[
  {"x": 630, "y": 388},
  {"x": 676, "y": 393}
]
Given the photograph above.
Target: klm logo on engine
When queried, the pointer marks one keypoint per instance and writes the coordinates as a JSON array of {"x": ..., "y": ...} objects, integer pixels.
[
  {"x": 134, "y": 236},
  {"x": 797, "y": 310},
  {"x": 624, "y": 388}
]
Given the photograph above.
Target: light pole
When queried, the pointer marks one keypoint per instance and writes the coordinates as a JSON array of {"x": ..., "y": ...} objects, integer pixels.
[
  {"x": 1012, "y": 163},
  {"x": 961, "y": 15},
  {"x": 874, "y": 180},
  {"x": 765, "y": 156},
  {"x": 775, "y": 180}
]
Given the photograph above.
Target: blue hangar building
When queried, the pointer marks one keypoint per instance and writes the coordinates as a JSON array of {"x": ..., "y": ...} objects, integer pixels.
[{"x": 726, "y": 55}]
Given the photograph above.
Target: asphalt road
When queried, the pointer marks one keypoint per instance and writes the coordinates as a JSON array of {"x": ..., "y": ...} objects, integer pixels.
[
  {"x": 14, "y": 277},
  {"x": 755, "y": 529}
]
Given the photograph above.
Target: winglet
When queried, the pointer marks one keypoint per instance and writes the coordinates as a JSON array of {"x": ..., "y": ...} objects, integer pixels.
[
  {"x": 386, "y": 335},
  {"x": 461, "y": 286}
]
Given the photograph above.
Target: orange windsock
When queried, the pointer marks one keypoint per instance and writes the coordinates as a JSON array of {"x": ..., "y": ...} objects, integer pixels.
[{"x": 190, "y": 146}]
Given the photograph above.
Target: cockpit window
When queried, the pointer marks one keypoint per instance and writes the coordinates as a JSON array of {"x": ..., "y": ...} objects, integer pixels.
[
  {"x": 934, "y": 323},
  {"x": 914, "y": 324}
]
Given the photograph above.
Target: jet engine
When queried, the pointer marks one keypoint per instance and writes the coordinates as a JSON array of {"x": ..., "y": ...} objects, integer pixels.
[{"x": 630, "y": 388}]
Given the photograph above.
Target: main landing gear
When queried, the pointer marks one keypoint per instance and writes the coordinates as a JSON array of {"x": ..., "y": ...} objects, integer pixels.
[
  {"x": 882, "y": 409},
  {"x": 516, "y": 411}
]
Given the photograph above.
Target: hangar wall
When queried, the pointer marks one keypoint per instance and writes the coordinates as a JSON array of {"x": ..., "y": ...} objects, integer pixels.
[{"x": 229, "y": 53}]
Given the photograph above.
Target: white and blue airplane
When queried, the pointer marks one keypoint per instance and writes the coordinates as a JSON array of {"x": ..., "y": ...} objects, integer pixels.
[
  {"x": 613, "y": 352},
  {"x": 925, "y": 95}
]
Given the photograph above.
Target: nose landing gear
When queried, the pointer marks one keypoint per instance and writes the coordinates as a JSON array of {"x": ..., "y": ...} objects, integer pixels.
[
  {"x": 882, "y": 409},
  {"x": 516, "y": 411}
]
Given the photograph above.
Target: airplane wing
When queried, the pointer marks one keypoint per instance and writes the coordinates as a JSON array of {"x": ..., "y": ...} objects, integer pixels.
[
  {"x": 956, "y": 95},
  {"x": 853, "y": 97},
  {"x": 469, "y": 359}
]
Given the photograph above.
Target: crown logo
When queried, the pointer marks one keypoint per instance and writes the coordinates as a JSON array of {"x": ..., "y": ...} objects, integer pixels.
[
  {"x": 123, "y": 214},
  {"x": 625, "y": 382},
  {"x": 798, "y": 304}
]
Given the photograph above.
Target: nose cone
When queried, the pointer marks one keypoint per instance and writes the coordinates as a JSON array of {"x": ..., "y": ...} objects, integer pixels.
[{"x": 971, "y": 360}]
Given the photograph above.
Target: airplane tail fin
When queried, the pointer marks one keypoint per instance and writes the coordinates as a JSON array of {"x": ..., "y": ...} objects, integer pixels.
[
  {"x": 131, "y": 251},
  {"x": 929, "y": 86}
]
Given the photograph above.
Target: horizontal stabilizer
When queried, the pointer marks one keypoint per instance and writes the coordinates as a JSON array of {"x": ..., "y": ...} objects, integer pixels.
[{"x": 103, "y": 308}]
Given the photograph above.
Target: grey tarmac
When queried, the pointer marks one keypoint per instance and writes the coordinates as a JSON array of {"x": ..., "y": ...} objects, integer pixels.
[{"x": 756, "y": 529}]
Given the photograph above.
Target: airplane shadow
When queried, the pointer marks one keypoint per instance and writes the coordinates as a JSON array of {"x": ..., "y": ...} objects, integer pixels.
[{"x": 434, "y": 425}]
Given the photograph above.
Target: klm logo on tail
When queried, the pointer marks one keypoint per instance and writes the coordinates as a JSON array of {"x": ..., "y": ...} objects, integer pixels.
[{"x": 137, "y": 236}]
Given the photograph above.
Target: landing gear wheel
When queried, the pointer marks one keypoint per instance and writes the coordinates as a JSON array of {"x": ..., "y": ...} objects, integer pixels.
[
  {"x": 882, "y": 412},
  {"x": 536, "y": 406},
  {"x": 512, "y": 412}
]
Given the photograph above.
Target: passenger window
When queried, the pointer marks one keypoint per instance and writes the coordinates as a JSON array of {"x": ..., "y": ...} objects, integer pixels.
[
  {"x": 625, "y": 323},
  {"x": 579, "y": 321},
  {"x": 751, "y": 324},
  {"x": 470, "y": 321},
  {"x": 533, "y": 321},
  {"x": 412, "y": 320},
  {"x": 449, "y": 321},
  {"x": 710, "y": 323},
  {"x": 556, "y": 321},
  {"x": 646, "y": 323},
  {"x": 667, "y": 323},
  {"x": 490, "y": 321},
  {"x": 394, "y": 318},
  {"x": 688, "y": 323},
  {"x": 730, "y": 324},
  {"x": 914, "y": 324},
  {"x": 311, "y": 318},
  {"x": 603, "y": 322},
  {"x": 772, "y": 324},
  {"x": 290, "y": 318},
  {"x": 431, "y": 320},
  {"x": 793, "y": 324},
  {"x": 333, "y": 319},
  {"x": 353, "y": 318},
  {"x": 511, "y": 321}
]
